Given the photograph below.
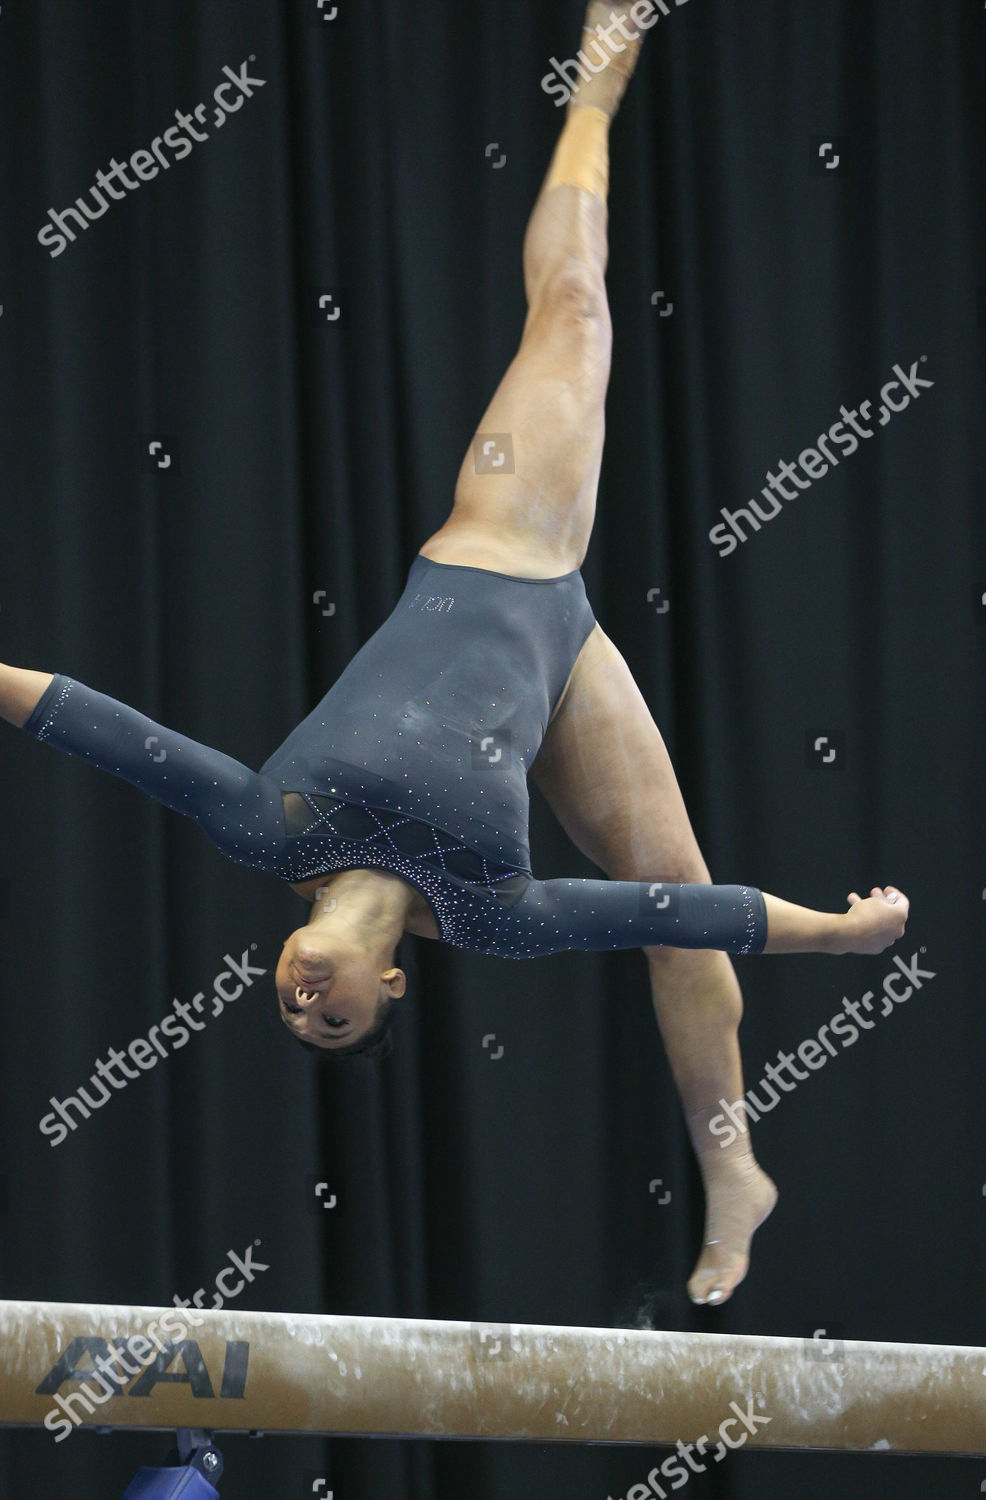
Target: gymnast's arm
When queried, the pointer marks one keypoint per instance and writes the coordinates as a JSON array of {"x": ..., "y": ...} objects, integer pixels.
[
  {"x": 20, "y": 693},
  {"x": 558, "y": 915},
  {"x": 234, "y": 806}
]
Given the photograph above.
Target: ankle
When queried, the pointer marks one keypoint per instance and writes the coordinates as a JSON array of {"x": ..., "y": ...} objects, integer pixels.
[{"x": 581, "y": 157}]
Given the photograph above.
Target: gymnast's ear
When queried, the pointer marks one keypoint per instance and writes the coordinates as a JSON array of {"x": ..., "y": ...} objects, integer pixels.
[{"x": 393, "y": 983}]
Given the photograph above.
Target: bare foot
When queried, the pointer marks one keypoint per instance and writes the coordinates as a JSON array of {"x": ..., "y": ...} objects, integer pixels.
[
  {"x": 610, "y": 46},
  {"x": 738, "y": 1199}
]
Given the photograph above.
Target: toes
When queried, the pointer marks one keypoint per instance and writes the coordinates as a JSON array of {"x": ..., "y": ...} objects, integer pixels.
[
  {"x": 699, "y": 1288},
  {"x": 712, "y": 1285},
  {"x": 712, "y": 1289}
]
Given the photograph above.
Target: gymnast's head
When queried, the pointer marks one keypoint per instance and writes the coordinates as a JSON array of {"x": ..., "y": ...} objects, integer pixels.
[{"x": 337, "y": 982}]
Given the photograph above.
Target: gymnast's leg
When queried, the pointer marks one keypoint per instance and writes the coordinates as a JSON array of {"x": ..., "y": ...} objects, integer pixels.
[
  {"x": 607, "y": 776},
  {"x": 534, "y": 518}
]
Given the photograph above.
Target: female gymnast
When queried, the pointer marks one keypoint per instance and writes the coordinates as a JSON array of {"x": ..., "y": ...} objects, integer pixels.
[{"x": 400, "y": 804}]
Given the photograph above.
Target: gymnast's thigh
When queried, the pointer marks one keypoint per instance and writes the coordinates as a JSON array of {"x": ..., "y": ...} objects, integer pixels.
[{"x": 606, "y": 774}]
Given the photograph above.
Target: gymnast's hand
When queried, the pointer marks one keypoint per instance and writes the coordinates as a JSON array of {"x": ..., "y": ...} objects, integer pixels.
[{"x": 874, "y": 923}]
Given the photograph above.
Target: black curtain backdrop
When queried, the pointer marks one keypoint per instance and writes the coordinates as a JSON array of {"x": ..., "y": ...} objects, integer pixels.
[{"x": 222, "y": 581}]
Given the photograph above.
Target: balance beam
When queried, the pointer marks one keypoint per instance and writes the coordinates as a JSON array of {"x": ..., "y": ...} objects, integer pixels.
[{"x": 401, "y": 1377}]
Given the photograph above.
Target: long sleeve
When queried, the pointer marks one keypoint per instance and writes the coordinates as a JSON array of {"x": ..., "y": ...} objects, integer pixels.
[
  {"x": 553, "y": 916},
  {"x": 239, "y": 810}
]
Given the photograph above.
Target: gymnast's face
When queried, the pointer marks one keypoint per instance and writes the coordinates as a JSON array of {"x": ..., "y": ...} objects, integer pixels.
[{"x": 328, "y": 991}]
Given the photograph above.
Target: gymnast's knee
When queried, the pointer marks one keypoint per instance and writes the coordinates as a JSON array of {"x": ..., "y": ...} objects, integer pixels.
[
  {"x": 684, "y": 872},
  {"x": 663, "y": 958},
  {"x": 574, "y": 291}
]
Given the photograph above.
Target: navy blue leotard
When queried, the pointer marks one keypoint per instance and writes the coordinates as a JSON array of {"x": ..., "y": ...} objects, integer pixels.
[{"x": 416, "y": 762}]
